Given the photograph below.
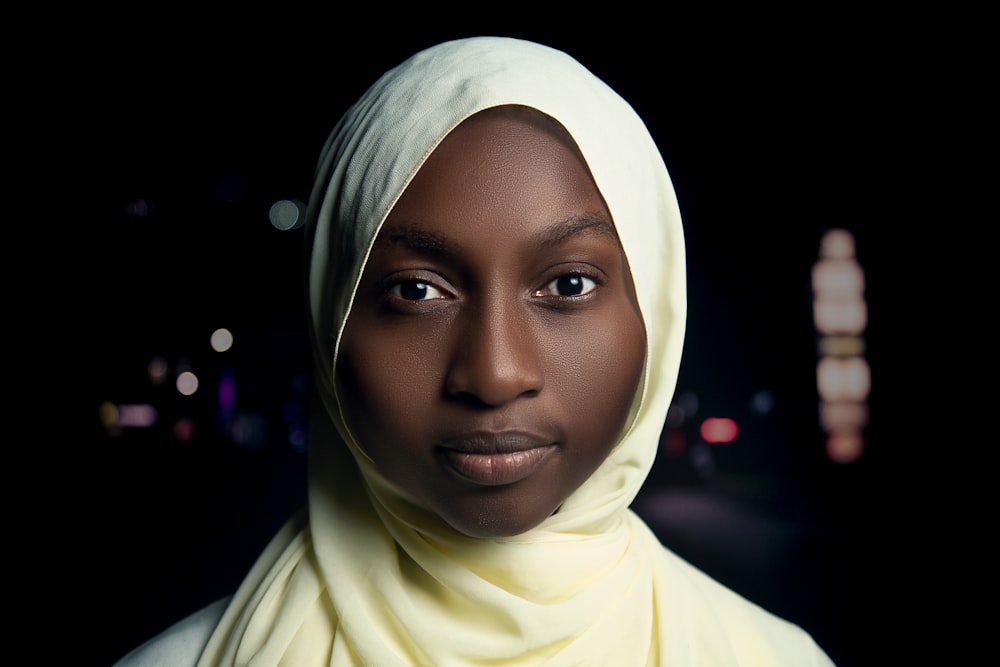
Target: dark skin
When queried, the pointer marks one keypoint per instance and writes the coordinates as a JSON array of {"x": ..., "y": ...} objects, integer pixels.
[{"x": 495, "y": 345}]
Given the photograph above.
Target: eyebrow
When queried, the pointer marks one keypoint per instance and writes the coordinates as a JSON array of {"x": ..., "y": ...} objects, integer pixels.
[
  {"x": 560, "y": 231},
  {"x": 574, "y": 225},
  {"x": 414, "y": 238}
]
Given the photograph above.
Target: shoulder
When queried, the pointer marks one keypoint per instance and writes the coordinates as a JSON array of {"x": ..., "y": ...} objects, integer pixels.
[
  {"x": 720, "y": 626},
  {"x": 179, "y": 645}
]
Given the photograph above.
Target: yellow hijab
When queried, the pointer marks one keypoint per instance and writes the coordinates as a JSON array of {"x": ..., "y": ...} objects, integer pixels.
[{"x": 365, "y": 577}]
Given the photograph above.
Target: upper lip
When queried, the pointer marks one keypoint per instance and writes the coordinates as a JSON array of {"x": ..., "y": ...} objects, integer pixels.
[{"x": 496, "y": 442}]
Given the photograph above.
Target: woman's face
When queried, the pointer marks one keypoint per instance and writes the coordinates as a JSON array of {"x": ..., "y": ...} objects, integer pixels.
[{"x": 494, "y": 346}]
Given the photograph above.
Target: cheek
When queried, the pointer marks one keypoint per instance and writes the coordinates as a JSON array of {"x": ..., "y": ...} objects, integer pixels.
[
  {"x": 372, "y": 385},
  {"x": 385, "y": 381},
  {"x": 604, "y": 378},
  {"x": 631, "y": 353}
]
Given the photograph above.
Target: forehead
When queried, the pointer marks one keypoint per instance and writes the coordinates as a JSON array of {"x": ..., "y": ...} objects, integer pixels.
[
  {"x": 528, "y": 119},
  {"x": 511, "y": 166}
]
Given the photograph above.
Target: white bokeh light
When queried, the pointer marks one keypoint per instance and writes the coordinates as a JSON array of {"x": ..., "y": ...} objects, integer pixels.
[
  {"x": 222, "y": 340},
  {"x": 187, "y": 383}
]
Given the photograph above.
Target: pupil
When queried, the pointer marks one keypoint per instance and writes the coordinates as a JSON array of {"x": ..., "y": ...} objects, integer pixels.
[
  {"x": 413, "y": 290},
  {"x": 570, "y": 285}
]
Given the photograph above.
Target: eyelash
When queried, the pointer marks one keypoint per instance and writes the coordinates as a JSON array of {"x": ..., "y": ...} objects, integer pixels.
[
  {"x": 395, "y": 290},
  {"x": 571, "y": 275}
]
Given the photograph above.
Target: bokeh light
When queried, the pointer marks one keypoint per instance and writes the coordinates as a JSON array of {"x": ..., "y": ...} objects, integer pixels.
[
  {"x": 840, "y": 316},
  {"x": 719, "y": 429},
  {"x": 187, "y": 383},
  {"x": 158, "y": 370},
  {"x": 221, "y": 340}
]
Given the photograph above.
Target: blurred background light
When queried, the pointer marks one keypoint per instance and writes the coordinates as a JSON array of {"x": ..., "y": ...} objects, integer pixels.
[
  {"x": 287, "y": 214},
  {"x": 762, "y": 402},
  {"x": 221, "y": 340},
  {"x": 843, "y": 379},
  {"x": 139, "y": 208},
  {"x": 719, "y": 429},
  {"x": 184, "y": 429},
  {"x": 840, "y": 317},
  {"x": 158, "y": 370},
  {"x": 187, "y": 383},
  {"x": 126, "y": 415}
]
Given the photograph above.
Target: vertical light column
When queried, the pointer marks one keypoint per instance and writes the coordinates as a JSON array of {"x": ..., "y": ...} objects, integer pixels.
[{"x": 840, "y": 317}]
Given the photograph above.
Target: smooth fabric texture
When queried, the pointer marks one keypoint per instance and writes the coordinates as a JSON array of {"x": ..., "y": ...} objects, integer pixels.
[
  {"x": 365, "y": 577},
  {"x": 180, "y": 644}
]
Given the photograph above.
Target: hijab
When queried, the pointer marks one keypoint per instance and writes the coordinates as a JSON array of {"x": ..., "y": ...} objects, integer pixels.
[{"x": 363, "y": 576}]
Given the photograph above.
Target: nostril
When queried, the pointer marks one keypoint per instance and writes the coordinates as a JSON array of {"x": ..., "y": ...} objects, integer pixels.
[
  {"x": 468, "y": 398},
  {"x": 493, "y": 376}
]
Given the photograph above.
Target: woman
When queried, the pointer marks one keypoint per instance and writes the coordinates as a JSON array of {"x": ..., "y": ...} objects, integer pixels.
[{"x": 497, "y": 306}]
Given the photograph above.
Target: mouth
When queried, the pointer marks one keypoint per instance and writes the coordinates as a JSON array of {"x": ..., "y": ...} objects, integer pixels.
[{"x": 495, "y": 459}]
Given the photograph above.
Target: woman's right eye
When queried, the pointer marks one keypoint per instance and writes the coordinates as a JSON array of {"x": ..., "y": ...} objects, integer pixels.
[{"x": 415, "y": 290}]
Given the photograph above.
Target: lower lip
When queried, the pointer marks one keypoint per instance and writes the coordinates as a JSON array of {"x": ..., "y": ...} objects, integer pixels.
[{"x": 497, "y": 469}]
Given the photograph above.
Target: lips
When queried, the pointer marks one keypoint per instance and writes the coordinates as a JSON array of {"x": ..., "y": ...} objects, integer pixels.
[{"x": 496, "y": 459}]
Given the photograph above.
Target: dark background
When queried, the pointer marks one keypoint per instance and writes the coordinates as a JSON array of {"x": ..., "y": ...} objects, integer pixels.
[{"x": 772, "y": 135}]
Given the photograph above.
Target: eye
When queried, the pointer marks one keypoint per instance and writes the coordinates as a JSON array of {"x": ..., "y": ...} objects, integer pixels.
[
  {"x": 568, "y": 285},
  {"x": 415, "y": 290}
]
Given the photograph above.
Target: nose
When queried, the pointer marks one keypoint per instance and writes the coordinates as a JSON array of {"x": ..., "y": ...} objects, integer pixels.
[{"x": 496, "y": 358}]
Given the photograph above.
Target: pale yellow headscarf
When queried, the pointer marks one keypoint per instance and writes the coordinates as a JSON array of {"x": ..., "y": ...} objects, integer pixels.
[{"x": 365, "y": 577}]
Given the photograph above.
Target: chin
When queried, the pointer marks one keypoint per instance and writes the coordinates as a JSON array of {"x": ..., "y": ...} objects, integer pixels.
[{"x": 495, "y": 522}]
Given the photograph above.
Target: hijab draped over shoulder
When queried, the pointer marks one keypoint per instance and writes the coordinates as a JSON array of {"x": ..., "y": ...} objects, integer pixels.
[{"x": 364, "y": 577}]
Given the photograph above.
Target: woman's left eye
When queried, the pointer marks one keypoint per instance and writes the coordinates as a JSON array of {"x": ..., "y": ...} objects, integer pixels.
[
  {"x": 415, "y": 290},
  {"x": 570, "y": 284}
]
